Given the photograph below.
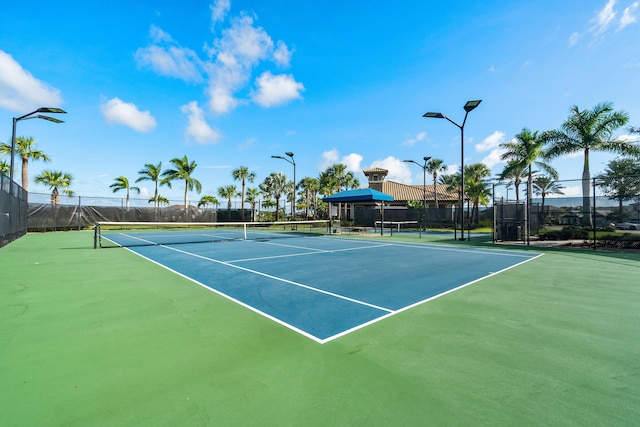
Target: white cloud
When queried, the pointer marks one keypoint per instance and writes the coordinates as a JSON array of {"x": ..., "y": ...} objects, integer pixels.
[
  {"x": 352, "y": 161},
  {"x": 198, "y": 128},
  {"x": 282, "y": 54},
  {"x": 219, "y": 9},
  {"x": 412, "y": 141},
  {"x": 604, "y": 18},
  {"x": 20, "y": 91},
  {"x": 491, "y": 142},
  {"x": 276, "y": 90},
  {"x": 167, "y": 58},
  {"x": 230, "y": 61},
  {"x": 119, "y": 112},
  {"x": 628, "y": 16},
  {"x": 493, "y": 158},
  {"x": 329, "y": 157},
  {"x": 398, "y": 170}
]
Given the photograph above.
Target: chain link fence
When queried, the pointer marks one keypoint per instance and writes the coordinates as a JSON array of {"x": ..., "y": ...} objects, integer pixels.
[
  {"x": 590, "y": 211},
  {"x": 13, "y": 211}
]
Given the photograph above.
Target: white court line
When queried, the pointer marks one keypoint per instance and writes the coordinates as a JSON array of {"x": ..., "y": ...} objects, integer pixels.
[
  {"x": 280, "y": 279},
  {"x": 393, "y": 313},
  {"x": 317, "y": 251},
  {"x": 389, "y": 312}
]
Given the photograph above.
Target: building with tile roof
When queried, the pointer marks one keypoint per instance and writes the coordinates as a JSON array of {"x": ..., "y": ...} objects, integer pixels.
[{"x": 402, "y": 193}]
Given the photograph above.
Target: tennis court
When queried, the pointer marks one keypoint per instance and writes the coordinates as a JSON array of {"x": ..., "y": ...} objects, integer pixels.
[
  {"x": 105, "y": 337},
  {"x": 322, "y": 287}
]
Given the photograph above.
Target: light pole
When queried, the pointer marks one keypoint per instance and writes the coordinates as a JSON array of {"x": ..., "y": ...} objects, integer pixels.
[
  {"x": 468, "y": 107},
  {"x": 25, "y": 117},
  {"x": 424, "y": 190},
  {"x": 293, "y": 162}
]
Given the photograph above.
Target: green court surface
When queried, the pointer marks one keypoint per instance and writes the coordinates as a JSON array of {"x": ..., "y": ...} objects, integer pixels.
[{"x": 105, "y": 337}]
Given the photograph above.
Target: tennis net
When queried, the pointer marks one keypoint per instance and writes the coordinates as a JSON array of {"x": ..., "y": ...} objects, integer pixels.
[{"x": 128, "y": 234}]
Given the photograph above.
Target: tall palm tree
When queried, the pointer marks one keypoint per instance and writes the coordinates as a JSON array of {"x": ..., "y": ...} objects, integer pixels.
[
  {"x": 252, "y": 198},
  {"x": 183, "y": 171},
  {"x": 242, "y": 174},
  {"x": 524, "y": 151},
  {"x": 545, "y": 185},
  {"x": 311, "y": 186},
  {"x": 26, "y": 150},
  {"x": 274, "y": 185},
  {"x": 590, "y": 130},
  {"x": 514, "y": 172},
  {"x": 122, "y": 183},
  {"x": 56, "y": 181},
  {"x": 228, "y": 192},
  {"x": 435, "y": 167},
  {"x": 151, "y": 172},
  {"x": 476, "y": 189}
]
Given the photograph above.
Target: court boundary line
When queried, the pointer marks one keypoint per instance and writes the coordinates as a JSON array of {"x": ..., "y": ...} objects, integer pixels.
[
  {"x": 348, "y": 331},
  {"x": 389, "y": 312}
]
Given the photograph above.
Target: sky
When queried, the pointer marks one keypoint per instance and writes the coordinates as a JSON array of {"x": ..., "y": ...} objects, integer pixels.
[{"x": 229, "y": 83}]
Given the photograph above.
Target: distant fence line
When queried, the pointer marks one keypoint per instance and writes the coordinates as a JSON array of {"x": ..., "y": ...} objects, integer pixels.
[{"x": 79, "y": 212}]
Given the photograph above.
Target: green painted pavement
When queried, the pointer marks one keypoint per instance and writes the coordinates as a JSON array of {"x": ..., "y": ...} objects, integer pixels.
[{"x": 103, "y": 337}]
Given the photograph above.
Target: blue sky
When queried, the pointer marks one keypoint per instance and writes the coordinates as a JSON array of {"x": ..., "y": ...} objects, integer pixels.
[{"x": 230, "y": 83}]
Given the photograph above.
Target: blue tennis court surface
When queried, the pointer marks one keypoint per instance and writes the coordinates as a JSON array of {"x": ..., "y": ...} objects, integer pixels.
[{"x": 325, "y": 287}]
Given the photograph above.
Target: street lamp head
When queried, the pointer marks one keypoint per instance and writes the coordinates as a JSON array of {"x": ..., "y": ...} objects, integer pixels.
[
  {"x": 289, "y": 153},
  {"x": 427, "y": 158},
  {"x": 434, "y": 115},
  {"x": 51, "y": 119},
  {"x": 50, "y": 110},
  {"x": 470, "y": 105},
  {"x": 278, "y": 157},
  {"x": 408, "y": 161}
]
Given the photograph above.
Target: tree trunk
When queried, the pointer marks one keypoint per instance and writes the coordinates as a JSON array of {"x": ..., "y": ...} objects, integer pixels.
[
  {"x": 25, "y": 173},
  {"x": 586, "y": 193}
]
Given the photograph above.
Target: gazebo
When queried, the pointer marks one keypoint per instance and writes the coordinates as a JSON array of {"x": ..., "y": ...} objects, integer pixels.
[{"x": 361, "y": 195}]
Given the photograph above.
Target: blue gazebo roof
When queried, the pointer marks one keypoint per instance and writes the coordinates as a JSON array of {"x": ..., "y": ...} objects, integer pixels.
[{"x": 359, "y": 195}]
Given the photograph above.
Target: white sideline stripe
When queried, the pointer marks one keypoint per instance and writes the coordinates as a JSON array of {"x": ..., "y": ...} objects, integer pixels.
[
  {"x": 316, "y": 252},
  {"x": 291, "y": 282}
]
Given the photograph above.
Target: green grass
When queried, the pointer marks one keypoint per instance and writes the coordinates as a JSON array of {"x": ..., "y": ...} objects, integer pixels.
[{"x": 103, "y": 337}]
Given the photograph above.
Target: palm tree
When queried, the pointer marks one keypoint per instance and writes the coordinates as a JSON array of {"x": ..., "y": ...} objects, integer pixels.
[
  {"x": 545, "y": 185},
  {"x": 26, "y": 150},
  {"x": 208, "y": 200},
  {"x": 242, "y": 174},
  {"x": 523, "y": 152},
  {"x": 434, "y": 167},
  {"x": 228, "y": 192},
  {"x": 152, "y": 173},
  {"x": 122, "y": 183},
  {"x": 4, "y": 167},
  {"x": 590, "y": 130},
  {"x": 274, "y": 185},
  {"x": 183, "y": 170},
  {"x": 311, "y": 186},
  {"x": 252, "y": 198},
  {"x": 513, "y": 173},
  {"x": 56, "y": 181},
  {"x": 475, "y": 188}
]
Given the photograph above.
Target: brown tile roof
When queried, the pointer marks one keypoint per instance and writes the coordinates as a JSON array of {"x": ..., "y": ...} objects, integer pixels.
[
  {"x": 403, "y": 192},
  {"x": 375, "y": 170}
]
